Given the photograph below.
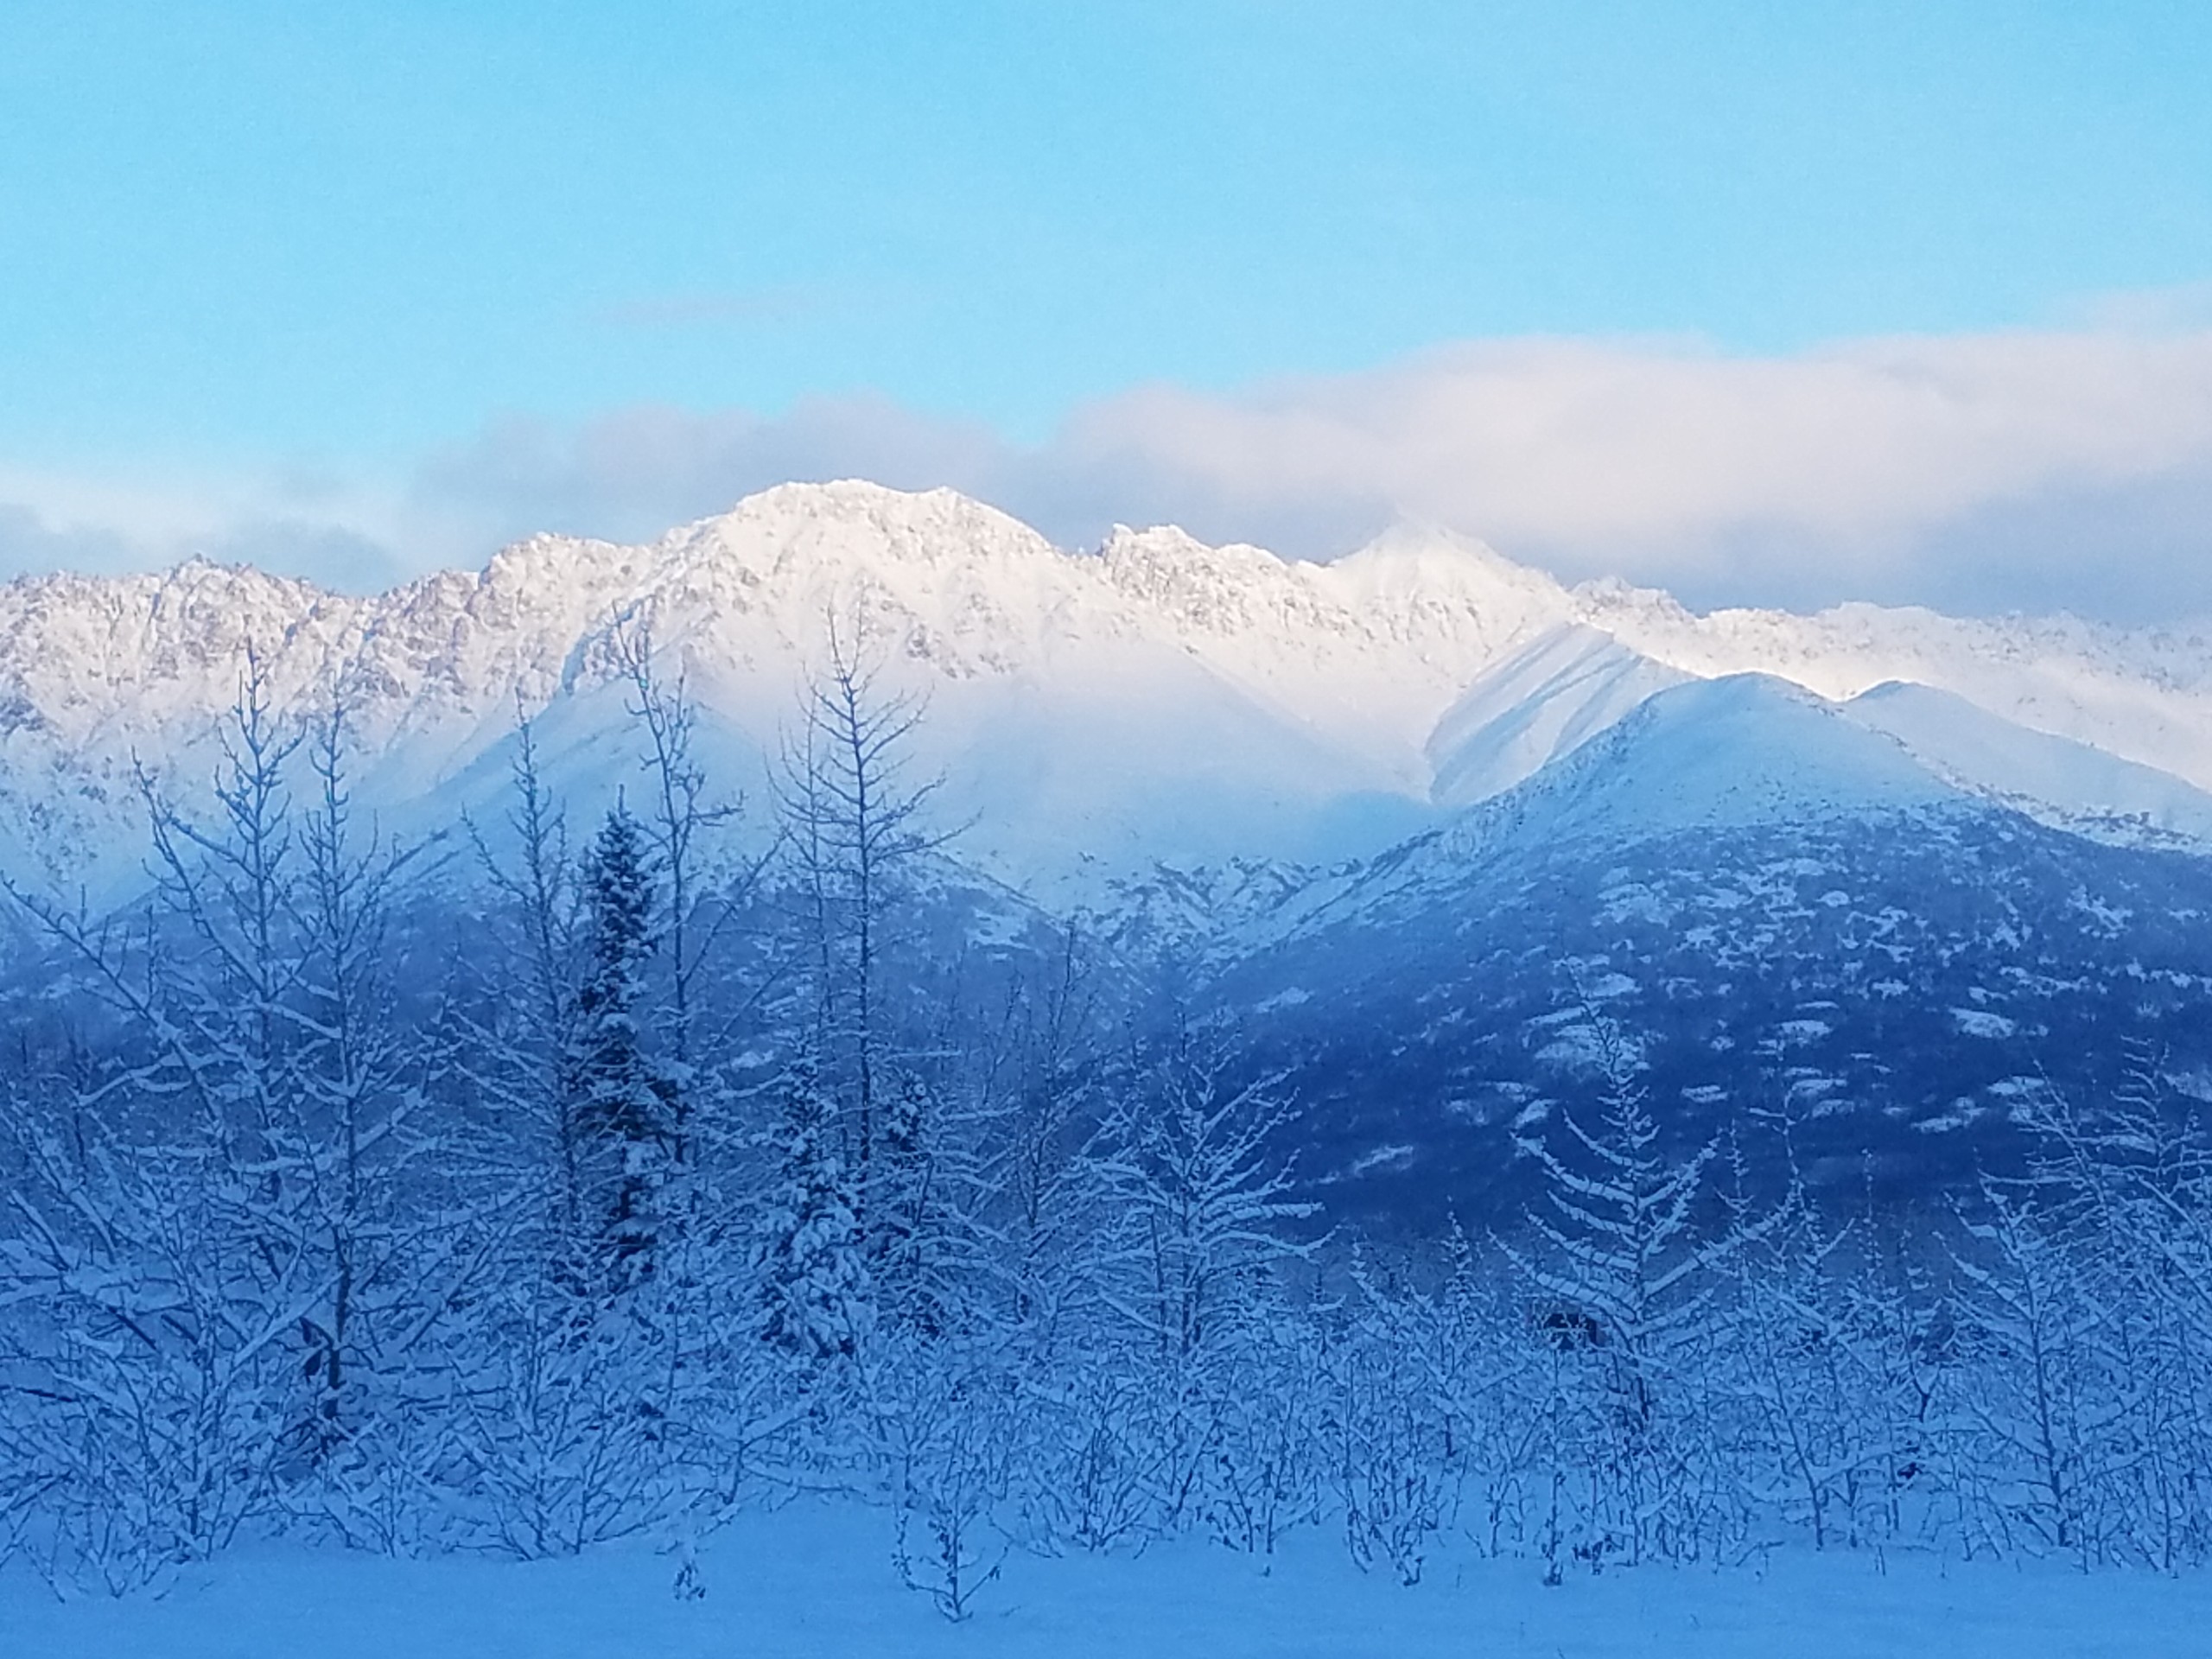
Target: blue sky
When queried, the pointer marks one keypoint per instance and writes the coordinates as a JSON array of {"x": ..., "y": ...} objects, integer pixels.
[{"x": 322, "y": 253}]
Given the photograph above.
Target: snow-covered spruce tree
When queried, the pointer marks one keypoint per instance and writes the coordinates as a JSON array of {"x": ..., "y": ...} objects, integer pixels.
[
  {"x": 720, "y": 1379},
  {"x": 1624, "y": 1294},
  {"x": 813, "y": 1269},
  {"x": 577, "y": 1409},
  {"x": 544, "y": 1384},
  {"x": 915, "y": 1248},
  {"x": 623, "y": 1103}
]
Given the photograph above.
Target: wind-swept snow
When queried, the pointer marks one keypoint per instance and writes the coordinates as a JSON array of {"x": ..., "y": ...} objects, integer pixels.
[{"x": 1545, "y": 701}]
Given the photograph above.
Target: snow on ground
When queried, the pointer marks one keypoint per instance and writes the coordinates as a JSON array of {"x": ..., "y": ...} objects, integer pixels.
[{"x": 815, "y": 1579}]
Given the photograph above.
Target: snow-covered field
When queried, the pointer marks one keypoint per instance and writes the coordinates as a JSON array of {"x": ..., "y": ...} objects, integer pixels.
[{"x": 815, "y": 1578}]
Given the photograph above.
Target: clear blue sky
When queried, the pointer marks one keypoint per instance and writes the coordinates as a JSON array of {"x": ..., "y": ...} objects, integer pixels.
[{"x": 304, "y": 229}]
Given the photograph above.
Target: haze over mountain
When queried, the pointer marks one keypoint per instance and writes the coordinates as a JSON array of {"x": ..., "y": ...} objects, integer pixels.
[{"x": 1096, "y": 713}]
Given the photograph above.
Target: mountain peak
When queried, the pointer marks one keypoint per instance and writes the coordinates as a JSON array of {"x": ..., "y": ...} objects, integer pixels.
[
  {"x": 898, "y": 522},
  {"x": 1409, "y": 545},
  {"x": 1739, "y": 750}
]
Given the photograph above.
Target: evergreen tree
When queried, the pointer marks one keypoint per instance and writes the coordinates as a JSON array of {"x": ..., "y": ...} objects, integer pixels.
[
  {"x": 928, "y": 1239},
  {"x": 813, "y": 1277},
  {"x": 904, "y": 1200},
  {"x": 623, "y": 1103}
]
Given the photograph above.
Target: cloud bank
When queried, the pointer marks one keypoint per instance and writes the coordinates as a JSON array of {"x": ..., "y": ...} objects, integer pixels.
[{"x": 2031, "y": 471}]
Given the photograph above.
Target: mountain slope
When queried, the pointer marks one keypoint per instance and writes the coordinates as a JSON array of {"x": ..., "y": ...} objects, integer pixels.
[
  {"x": 2067, "y": 782},
  {"x": 1790, "y": 918},
  {"x": 1543, "y": 700}
]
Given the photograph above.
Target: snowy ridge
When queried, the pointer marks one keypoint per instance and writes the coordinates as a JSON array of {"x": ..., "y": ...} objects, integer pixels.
[
  {"x": 1744, "y": 749},
  {"x": 2144, "y": 695},
  {"x": 1154, "y": 699},
  {"x": 2058, "y": 780},
  {"x": 1745, "y": 752},
  {"x": 1543, "y": 701}
]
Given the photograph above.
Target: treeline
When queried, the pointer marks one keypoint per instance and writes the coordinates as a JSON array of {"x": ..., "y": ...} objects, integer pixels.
[{"x": 516, "y": 1193}]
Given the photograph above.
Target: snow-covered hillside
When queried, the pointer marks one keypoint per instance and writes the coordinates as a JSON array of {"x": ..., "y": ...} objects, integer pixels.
[{"x": 1153, "y": 700}]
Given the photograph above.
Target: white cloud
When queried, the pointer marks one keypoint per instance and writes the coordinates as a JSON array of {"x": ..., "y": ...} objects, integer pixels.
[
  {"x": 293, "y": 523},
  {"x": 1840, "y": 470},
  {"x": 2033, "y": 470},
  {"x": 635, "y": 472}
]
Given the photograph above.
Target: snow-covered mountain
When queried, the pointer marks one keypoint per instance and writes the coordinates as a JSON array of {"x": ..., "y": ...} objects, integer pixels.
[
  {"x": 1155, "y": 700},
  {"x": 1892, "y": 871},
  {"x": 1791, "y": 916}
]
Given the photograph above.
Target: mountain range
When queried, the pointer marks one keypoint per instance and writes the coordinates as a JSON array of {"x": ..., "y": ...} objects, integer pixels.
[
  {"x": 1890, "y": 878},
  {"x": 1153, "y": 701}
]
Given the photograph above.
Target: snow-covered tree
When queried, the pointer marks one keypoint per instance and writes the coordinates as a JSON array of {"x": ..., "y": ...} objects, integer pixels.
[
  {"x": 813, "y": 1266},
  {"x": 681, "y": 824},
  {"x": 1198, "y": 1196},
  {"x": 854, "y": 825},
  {"x": 1623, "y": 1288},
  {"x": 911, "y": 1242},
  {"x": 216, "y": 1227},
  {"x": 623, "y": 1102}
]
